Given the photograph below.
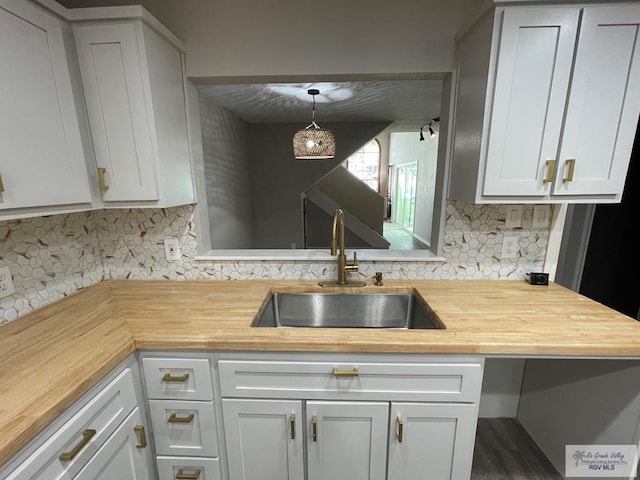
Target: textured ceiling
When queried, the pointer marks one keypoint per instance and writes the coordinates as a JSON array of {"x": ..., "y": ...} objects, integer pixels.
[{"x": 406, "y": 101}]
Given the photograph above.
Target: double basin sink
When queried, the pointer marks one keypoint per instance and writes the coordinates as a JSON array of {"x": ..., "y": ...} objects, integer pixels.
[{"x": 347, "y": 310}]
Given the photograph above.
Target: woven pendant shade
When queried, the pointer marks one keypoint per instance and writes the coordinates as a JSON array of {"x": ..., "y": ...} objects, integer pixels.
[{"x": 314, "y": 142}]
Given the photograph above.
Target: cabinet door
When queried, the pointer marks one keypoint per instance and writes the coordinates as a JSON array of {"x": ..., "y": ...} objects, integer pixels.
[
  {"x": 123, "y": 456},
  {"x": 346, "y": 440},
  {"x": 41, "y": 158},
  {"x": 604, "y": 103},
  {"x": 431, "y": 441},
  {"x": 264, "y": 439},
  {"x": 118, "y": 103},
  {"x": 534, "y": 58}
]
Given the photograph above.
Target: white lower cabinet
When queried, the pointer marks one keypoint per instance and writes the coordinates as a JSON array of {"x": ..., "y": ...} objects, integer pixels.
[
  {"x": 431, "y": 441},
  {"x": 103, "y": 436},
  {"x": 123, "y": 457},
  {"x": 184, "y": 428},
  {"x": 349, "y": 418},
  {"x": 347, "y": 440},
  {"x": 264, "y": 439},
  {"x": 183, "y": 416},
  {"x": 189, "y": 468}
]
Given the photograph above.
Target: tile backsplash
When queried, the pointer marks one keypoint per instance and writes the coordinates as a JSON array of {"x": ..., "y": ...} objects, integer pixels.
[{"x": 51, "y": 257}]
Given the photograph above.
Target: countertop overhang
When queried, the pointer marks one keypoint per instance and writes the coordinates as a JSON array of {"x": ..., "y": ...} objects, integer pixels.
[{"x": 51, "y": 357}]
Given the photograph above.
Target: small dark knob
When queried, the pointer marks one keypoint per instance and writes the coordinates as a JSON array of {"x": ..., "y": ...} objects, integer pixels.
[{"x": 378, "y": 278}]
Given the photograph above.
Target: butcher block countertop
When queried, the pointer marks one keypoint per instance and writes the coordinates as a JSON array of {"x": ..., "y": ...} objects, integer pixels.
[{"x": 51, "y": 357}]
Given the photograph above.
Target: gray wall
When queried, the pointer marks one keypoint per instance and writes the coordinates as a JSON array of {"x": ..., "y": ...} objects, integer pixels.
[
  {"x": 289, "y": 37},
  {"x": 278, "y": 179},
  {"x": 580, "y": 402},
  {"x": 226, "y": 168},
  {"x": 501, "y": 384}
]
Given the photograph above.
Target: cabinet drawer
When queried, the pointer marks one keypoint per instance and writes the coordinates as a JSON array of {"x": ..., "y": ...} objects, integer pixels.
[
  {"x": 178, "y": 378},
  {"x": 184, "y": 428},
  {"x": 83, "y": 435},
  {"x": 183, "y": 468},
  {"x": 451, "y": 382}
]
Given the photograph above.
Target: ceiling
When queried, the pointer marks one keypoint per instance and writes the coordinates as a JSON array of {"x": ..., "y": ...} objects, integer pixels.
[{"x": 407, "y": 101}]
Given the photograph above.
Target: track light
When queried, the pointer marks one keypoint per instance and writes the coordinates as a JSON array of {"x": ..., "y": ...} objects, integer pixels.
[{"x": 429, "y": 124}]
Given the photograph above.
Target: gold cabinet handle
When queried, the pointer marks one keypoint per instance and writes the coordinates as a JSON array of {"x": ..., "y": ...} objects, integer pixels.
[
  {"x": 1, "y": 185},
  {"x": 188, "y": 476},
  {"x": 571, "y": 164},
  {"x": 101, "y": 182},
  {"x": 173, "y": 418},
  {"x": 314, "y": 428},
  {"x": 348, "y": 373},
  {"x": 292, "y": 425},
  {"x": 87, "y": 435},
  {"x": 551, "y": 170},
  {"x": 399, "y": 426},
  {"x": 139, "y": 429},
  {"x": 167, "y": 377}
]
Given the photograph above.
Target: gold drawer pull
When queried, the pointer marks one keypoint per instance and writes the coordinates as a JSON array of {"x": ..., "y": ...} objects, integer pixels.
[
  {"x": 188, "y": 476},
  {"x": 173, "y": 418},
  {"x": 167, "y": 377},
  {"x": 101, "y": 181},
  {"x": 292, "y": 425},
  {"x": 349, "y": 373},
  {"x": 571, "y": 164},
  {"x": 551, "y": 170},
  {"x": 399, "y": 429},
  {"x": 87, "y": 435},
  {"x": 139, "y": 429},
  {"x": 314, "y": 428}
]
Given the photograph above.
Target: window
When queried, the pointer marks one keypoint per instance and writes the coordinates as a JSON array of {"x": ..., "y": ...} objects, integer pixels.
[{"x": 365, "y": 164}]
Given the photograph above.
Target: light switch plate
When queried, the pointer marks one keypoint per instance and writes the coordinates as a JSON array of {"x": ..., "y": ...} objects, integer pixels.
[
  {"x": 514, "y": 216},
  {"x": 541, "y": 215},
  {"x": 6, "y": 283}
]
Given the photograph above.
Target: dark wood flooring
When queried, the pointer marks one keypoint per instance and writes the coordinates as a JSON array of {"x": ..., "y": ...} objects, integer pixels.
[{"x": 505, "y": 451}]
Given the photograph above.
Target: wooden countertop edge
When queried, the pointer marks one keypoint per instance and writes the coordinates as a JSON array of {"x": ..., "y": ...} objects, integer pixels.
[{"x": 504, "y": 350}]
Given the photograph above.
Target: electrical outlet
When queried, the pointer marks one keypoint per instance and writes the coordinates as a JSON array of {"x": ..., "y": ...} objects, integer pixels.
[
  {"x": 541, "y": 215},
  {"x": 171, "y": 249},
  {"x": 510, "y": 247},
  {"x": 6, "y": 283},
  {"x": 514, "y": 216}
]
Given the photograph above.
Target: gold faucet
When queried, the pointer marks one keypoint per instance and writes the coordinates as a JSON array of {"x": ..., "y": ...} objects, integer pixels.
[{"x": 337, "y": 236}]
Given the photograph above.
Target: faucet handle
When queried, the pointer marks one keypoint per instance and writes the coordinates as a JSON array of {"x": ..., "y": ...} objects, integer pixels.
[{"x": 353, "y": 266}]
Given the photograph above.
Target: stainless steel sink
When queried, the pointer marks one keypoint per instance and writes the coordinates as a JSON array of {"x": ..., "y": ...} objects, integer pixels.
[{"x": 347, "y": 310}]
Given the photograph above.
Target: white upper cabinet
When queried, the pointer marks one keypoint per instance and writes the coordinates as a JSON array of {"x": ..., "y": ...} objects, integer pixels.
[
  {"x": 544, "y": 111},
  {"x": 134, "y": 87},
  {"x": 42, "y": 162},
  {"x": 603, "y": 105}
]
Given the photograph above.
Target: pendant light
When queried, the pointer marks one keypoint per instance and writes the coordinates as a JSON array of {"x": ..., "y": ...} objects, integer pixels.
[{"x": 314, "y": 142}]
